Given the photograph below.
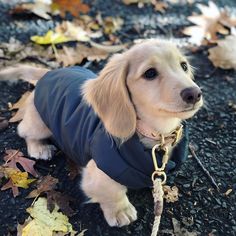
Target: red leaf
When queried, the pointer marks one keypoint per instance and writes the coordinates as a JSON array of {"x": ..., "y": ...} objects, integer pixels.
[{"x": 15, "y": 156}]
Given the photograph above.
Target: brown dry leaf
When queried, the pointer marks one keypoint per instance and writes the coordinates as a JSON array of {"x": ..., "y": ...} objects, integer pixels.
[
  {"x": 171, "y": 193},
  {"x": 20, "y": 103},
  {"x": 45, "y": 184},
  {"x": 112, "y": 24},
  {"x": 62, "y": 200},
  {"x": 208, "y": 24},
  {"x": 14, "y": 189},
  {"x": 71, "y": 56},
  {"x": 160, "y": 6},
  {"x": 15, "y": 156},
  {"x": 108, "y": 48},
  {"x": 178, "y": 231},
  {"x": 15, "y": 51},
  {"x": 74, "y": 7},
  {"x": 40, "y": 8},
  {"x": 224, "y": 54}
]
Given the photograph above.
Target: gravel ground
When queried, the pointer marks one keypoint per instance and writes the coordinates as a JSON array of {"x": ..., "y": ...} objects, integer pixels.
[{"x": 213, "y": 132}]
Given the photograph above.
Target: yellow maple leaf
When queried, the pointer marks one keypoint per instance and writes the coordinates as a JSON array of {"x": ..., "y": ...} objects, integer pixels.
[
  {"x": 51, "y": 38},
  {"x": 18, "y": 178},
  {"x": 45, "y": 223}
]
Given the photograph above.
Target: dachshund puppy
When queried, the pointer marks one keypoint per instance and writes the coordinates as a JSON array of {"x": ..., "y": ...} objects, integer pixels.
[{"x": 108, "y": 123}]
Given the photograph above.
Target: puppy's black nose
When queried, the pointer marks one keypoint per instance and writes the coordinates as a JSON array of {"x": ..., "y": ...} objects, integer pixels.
[{"x": 191, "y": 95}]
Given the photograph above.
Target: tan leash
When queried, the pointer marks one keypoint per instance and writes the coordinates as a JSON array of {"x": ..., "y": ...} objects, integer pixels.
[{"x": 159, "y": 176}]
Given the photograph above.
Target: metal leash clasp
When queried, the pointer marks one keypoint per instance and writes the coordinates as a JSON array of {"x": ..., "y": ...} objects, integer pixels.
[{"x": 159, "y": 171}]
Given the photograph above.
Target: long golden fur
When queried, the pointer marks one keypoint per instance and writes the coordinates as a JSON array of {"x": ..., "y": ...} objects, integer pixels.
[{"x": 120, "y": 95}]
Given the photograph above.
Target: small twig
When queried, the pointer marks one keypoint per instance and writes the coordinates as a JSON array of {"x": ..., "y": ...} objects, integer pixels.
[
  {"x": 55, "y": 50},
  {"x": 191, "y": 148}
]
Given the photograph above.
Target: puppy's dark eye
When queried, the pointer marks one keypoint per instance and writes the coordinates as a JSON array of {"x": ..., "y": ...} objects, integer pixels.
[
  {"x": 150, "y": 74},
  {"x": 184, "y": 66}
]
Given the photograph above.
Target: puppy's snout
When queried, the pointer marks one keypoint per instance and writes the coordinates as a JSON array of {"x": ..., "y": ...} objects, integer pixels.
[{"x": 191, "y": 95}]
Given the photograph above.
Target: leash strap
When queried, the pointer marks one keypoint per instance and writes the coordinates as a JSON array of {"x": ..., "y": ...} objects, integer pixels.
[{"x": 159, "y": 177}]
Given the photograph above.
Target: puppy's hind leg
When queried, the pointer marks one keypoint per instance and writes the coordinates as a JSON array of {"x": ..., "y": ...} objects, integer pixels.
[
  {"x": 111, "y": 196},
  {"x": 34, "y": 131}
]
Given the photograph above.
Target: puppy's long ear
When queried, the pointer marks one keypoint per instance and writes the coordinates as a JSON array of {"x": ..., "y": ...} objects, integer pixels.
[{"x": 109, "y": 97}]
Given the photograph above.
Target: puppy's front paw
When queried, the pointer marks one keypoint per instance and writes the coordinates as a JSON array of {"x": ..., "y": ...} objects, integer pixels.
[
  {"x": 41, "y": 151},
  {"x": 120, "y": 216}
]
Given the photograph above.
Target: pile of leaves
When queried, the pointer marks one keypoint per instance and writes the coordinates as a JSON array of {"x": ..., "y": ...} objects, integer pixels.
[
  {"x": 45, "y": 217},
  {"x": 211, "y": 26}
]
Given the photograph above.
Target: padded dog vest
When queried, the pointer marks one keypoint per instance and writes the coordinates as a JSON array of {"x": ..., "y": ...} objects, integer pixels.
[{"x": 81, "y": 135}]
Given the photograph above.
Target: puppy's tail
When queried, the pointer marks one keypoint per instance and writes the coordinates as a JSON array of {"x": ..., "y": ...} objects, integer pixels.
[{"x": 22, "y": 72}]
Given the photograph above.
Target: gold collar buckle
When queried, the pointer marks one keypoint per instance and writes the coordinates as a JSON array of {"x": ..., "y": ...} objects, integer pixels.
[{"x": 178, "y": 134}]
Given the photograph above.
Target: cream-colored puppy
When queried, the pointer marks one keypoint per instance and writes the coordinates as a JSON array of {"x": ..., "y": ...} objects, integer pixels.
[{"x": 152, "y": 82}]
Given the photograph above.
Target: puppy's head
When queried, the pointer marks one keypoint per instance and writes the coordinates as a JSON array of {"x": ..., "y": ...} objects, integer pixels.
[{"x": 151, "y": 78}]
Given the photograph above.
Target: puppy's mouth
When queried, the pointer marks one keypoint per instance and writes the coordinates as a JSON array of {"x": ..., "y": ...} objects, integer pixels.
[{"x": 189, "y": 110}]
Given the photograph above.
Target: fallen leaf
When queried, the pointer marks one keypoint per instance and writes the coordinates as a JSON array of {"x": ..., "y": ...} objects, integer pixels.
[
  {"x": 21, "y": 101},
  {"x": 74, "y": 7},
  {"x": 211, "y": 22},
  {"x": 14, "y": 189},
  {"x": 72, "y": 31},
  {"x": 51, "y": 38},
  {"x": 71, "y": 56},
  {"x": 16, "y": 52},
  {"x": 224, "y": 54},
  {"x": 108, "y": 48},
  {"x": 112, "y": 24},
  {"x": 40, "y": 8},
  {"x": 13, "y": 47},
  {"x": 20, "y": 105},
  {"x": 178, "y": 231},
  {"x": 15, "y": 156},
  {"x": 171, "y": 193},
  {"x": 160, "y": 6},
  {"x": 60, "y": 199},
  {"x": 47, "y": 183},
  {"x": 45, "y": 223},
  {"x": 16, "y": 179}
]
